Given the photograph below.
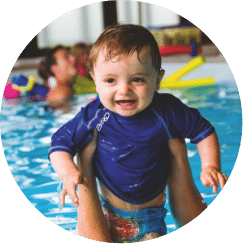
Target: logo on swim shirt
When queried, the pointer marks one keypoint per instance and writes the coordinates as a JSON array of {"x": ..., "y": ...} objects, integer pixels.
[{"x": 103, "y": 120}]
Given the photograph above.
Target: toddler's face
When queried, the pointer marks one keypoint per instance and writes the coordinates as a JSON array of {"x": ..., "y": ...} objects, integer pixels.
[{"x": 125, "y": 84}]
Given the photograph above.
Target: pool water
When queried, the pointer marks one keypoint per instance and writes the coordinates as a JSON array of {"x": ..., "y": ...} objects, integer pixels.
[{"x": 26, "y": 131}]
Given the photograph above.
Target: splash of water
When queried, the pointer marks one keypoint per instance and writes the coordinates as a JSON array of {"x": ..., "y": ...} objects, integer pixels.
[
  {"x": 59, "y": 190},
  {"x": 205, "y": 194}
]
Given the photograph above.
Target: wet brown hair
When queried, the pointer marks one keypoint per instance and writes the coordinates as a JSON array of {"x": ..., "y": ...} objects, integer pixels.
[{"x": 125, "y": 40}]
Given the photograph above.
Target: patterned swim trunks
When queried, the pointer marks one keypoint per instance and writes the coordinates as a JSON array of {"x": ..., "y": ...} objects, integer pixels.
[{"x": 127, "y": 226}]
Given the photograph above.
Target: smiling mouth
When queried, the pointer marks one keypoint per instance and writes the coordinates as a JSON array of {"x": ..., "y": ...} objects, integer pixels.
[{"x": 126, "y": 104}]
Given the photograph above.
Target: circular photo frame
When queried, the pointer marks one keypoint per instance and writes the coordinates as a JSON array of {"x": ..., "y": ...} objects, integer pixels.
[{"x": 44, "y": 86}]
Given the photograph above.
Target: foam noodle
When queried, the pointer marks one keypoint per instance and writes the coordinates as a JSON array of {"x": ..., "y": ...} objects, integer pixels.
[
  {"x": 188, "y": 83},
  {"x": 173, "y": 81}
]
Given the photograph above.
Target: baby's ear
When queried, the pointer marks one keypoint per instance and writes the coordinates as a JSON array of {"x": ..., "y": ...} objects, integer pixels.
[
  {"x": 53, "y": 69},
  {"x": 92, "y": 75},
  {"x": 160, "y": 77},
  {"x": 162, "y": 72}
]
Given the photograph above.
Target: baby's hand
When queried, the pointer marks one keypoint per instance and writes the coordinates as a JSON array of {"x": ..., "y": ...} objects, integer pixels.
[
  {"x": 71, "y": 180},
  {"x": 211, "y": 176}
]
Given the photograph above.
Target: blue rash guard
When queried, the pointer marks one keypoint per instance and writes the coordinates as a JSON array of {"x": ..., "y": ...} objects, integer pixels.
[{"x": 132, "y": 152}]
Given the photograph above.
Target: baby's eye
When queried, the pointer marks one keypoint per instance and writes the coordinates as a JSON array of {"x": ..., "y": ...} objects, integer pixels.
[
  {"x": 110, "y": 81},
  {"x": 138, "y": 80}
]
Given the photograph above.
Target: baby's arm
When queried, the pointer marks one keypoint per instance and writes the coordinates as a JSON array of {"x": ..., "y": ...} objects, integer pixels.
[
  {"x": 65, "y": 143},
  {"x": 71, "y": 176},
  {"x": 63, "y": 164},
  {"x": 190, "y": 124},
  {"x": 209, "y": 152}
]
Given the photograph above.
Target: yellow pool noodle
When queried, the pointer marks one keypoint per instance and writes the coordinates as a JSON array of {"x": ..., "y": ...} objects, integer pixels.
[
  {"x": 188, "y": 83},
  {"x": 174, "y": 80},
  {"x": 195, "y": 63}
]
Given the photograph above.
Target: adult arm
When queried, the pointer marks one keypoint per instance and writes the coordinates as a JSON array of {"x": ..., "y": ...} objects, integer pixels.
[
  {"x": 91, "y": 220},
  {"x": 186, "y": 202}
]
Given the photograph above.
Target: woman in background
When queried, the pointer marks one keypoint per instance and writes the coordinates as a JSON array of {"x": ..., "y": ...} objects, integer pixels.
[{"x": 59, "y": 72}]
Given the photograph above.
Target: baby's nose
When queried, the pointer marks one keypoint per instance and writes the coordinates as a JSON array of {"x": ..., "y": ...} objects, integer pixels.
[{"x": 125, "y": 88}]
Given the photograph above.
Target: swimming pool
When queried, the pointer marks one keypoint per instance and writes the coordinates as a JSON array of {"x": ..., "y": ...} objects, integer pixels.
[{"x": 26, "y": 130}]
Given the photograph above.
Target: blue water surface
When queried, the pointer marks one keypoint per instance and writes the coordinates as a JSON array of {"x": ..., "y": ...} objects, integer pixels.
[{"x": 26, "y": 131}]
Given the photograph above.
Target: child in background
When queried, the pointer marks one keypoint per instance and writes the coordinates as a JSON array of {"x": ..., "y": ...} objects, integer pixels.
[
  {"x": 81, "y": 53},
  {"x": 135, "y": 125},
  {"x": 84, "y": 83}
]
